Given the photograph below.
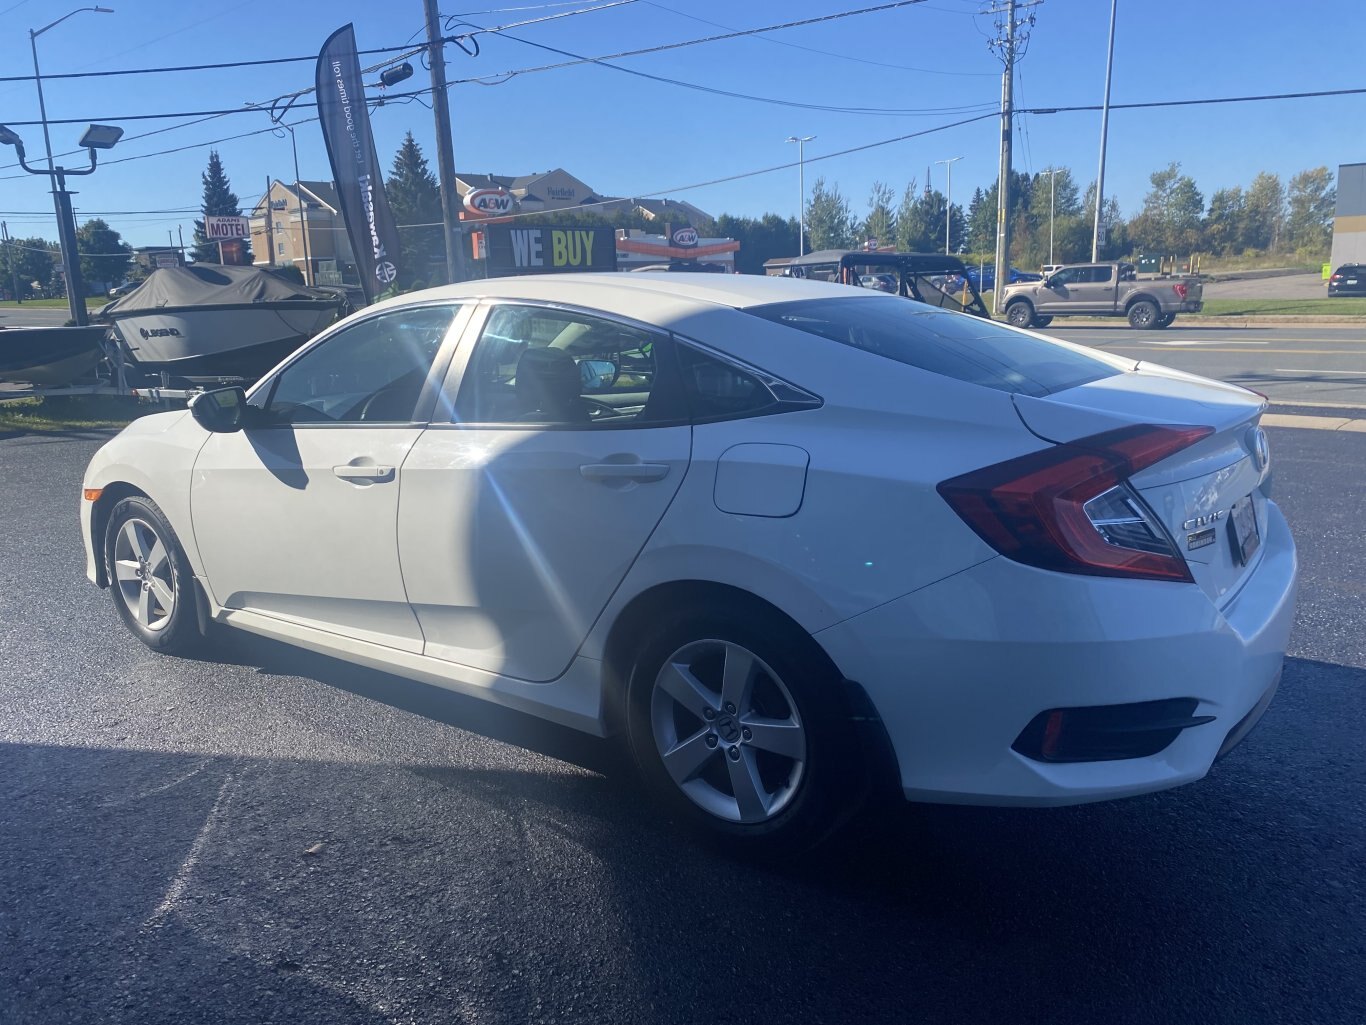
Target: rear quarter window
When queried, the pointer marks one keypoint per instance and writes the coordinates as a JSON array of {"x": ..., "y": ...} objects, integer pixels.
[{"x": 958, "y": 346}]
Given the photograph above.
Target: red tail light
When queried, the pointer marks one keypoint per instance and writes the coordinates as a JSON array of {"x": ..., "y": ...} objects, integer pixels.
[
  {"x": 1033, "y": 509},
  {"x": 1180, "y": 290}
]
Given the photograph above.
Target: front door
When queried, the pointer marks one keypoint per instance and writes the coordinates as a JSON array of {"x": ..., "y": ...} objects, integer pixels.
[
  {"x": 296, "y": 516},
  {"x": 567, "y": 440}
]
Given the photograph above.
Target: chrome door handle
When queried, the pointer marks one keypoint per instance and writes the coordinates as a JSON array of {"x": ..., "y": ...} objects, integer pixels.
[
  {"x": 348, "y": 471},
  {"x": 608, "y": 472}
]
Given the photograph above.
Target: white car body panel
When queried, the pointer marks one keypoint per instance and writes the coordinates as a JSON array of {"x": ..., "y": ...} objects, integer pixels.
[
  {"x": 279, "y": 533},
  {"x": 154, "y": 454},
  {"x": 510, "y": 552}
]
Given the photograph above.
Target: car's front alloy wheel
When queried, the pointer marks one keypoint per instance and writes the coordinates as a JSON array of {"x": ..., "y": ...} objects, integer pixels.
[{"x": 150, "y": 577}]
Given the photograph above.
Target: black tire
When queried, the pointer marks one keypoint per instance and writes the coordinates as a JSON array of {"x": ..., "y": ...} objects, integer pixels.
[
  {"x": 830, "y": 784},
  {"x": 1165, "y": 321},
  {"x": 1144, "y": 315},
  {"x": 1043, "y": 321},
  {"x": 142, "y": 578},
  {"x": 1020, "y": 314}
]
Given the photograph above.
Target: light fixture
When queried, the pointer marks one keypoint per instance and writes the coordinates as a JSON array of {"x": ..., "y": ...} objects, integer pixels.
[
  {"x": 8, "y": 138},
  {"x": 392, "y": 76},
  {"x": 101, "y": 137}
]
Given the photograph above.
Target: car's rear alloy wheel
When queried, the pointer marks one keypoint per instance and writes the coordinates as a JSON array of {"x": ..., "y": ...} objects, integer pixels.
[
  {"x": 150, "y": 577},
  {"x": 735, "y": 720},
  {"x": 728, "y": 731}
]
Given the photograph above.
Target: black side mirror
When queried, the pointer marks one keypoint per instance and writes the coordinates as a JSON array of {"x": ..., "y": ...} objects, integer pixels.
[{"x": 222, "y": 410}]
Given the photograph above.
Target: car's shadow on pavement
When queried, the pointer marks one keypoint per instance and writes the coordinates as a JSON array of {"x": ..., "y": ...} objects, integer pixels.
[{"x": 225, "y": 885}]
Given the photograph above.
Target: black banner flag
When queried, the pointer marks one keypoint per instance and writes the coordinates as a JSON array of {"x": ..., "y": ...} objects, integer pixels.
[{"x": 355, "y": 166}]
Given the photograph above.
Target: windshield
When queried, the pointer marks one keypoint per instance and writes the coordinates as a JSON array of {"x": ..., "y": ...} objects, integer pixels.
[{"x": 965, "y": 348}]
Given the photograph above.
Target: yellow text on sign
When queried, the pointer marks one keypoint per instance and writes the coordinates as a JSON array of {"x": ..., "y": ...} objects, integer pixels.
[{"x": 571, "y": 248}]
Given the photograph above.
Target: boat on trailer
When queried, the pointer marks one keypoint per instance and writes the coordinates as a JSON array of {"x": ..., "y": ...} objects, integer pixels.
[
  {"x": 207, "y": 323},
  {"x": 49, "y": 356}
]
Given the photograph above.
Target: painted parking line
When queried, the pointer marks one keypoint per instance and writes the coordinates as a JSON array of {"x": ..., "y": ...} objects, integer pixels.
[{"x": 1313, "y": 423}]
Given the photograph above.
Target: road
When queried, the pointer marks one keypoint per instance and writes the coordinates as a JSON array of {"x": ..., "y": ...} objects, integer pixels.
[
  {"x": 25, "y": 315},
  {"x": 1294, "y": 364},
  {"x": 270, "y": 836}
]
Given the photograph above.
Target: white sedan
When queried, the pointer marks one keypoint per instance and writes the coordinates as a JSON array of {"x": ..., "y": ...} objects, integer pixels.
[{"x": 793, "y": 541}]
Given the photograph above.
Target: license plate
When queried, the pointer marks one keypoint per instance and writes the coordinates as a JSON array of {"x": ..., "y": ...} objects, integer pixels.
[{"x": 1246, "y": 539}]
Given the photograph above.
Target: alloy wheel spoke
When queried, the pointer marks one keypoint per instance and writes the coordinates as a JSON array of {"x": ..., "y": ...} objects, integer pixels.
[
  {"x": 156, "y": 558},
  {"x": 164, "y": 595},
  {"x": 144, "y": 609},
  {"x": 137, "y": 544},
  {"x": 737, "y": 677},
  {"x": 686, "y": 758},
  {"x": 749, "y": 790},
  {"x": 678, "y": 681},
  {"x": 780, "y": 736},
  {"x": 126, "y": 570}
]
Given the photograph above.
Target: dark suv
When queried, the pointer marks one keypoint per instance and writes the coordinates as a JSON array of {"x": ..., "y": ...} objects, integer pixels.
[{"x": 1349, "y": 279}]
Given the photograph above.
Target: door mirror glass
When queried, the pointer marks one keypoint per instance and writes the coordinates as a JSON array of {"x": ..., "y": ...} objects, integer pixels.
[
  {"x": 597, "y": 375},
  {"x": 221, "y": 410}
]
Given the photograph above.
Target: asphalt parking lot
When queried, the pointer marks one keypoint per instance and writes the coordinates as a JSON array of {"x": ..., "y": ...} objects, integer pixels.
[{"x": 270, "y": 836}]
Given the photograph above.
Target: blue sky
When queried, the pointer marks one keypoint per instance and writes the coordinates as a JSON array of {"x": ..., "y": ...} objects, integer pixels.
[{"x": 624, "y": 135}]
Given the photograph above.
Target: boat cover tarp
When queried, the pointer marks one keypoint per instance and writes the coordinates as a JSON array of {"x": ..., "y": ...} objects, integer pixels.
[{"x": 213, "y": 285}]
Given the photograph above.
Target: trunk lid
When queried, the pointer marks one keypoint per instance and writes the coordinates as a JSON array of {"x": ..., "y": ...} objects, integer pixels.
[{"x": 1195, "y": 491}]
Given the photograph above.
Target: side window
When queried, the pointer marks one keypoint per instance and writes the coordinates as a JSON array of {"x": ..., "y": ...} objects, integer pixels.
[
  {"x": 371, "y": 372},
  {"x": 1071, "y": 276},
  {"x": 1101, "y": 275},
  {"x": 536, "y": 365},
  {"x": 718, "y": 390}
]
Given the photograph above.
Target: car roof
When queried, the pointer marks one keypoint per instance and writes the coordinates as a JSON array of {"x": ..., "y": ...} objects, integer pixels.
[{"x": 737, "y": 291}]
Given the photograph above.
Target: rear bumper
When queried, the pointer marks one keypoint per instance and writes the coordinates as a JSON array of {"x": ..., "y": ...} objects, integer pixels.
[
  {"x": 1192, "y": 306},
  {"x": 957, "y": 670}
]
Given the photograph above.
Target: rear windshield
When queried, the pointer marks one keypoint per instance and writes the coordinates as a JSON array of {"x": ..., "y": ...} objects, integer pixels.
[{"x": 965, "y": 348}]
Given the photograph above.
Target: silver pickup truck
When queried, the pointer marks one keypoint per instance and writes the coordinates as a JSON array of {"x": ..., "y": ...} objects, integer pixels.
[{"x": 1102, "y": 290}]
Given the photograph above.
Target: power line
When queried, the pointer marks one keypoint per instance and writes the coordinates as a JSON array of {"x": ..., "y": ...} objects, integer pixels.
[
  {"x": 452, "y": 20},
  {"x": 831, "y": 53}
]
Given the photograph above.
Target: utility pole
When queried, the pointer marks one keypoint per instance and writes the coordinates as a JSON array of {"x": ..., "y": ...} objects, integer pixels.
[
  {"x": 445, "y": 154},
  {"x": 1010, "y": 47},
  {"x": 270, "y": 235},
  {"x": 1104, "y": 132}
]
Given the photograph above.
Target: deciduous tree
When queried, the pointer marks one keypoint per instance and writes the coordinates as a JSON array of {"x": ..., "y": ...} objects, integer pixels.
[
  {"x": 1309, "y": 223},
  {"x": 105, "y": 256}
]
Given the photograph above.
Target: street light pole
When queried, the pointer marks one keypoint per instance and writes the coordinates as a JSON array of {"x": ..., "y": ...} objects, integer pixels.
[
  {"x": 1051, "y": 172},
  {"x": 1104, "y": 132},
  {"x": 801, "y": 141},
  {"x": 948, "y": 198},
  {"x": 66, "y": 227}
]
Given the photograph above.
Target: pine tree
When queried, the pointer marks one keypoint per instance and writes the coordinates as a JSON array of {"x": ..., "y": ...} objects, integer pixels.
[
  {"x": 219, "y": 200},
  {"x": 881, "y": 222},
  {"x": 415, "y": 198},
  {"x": 830, "y": 222}
]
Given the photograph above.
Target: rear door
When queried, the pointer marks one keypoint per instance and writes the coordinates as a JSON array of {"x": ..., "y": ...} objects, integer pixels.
[
  {"x": 561, "y": 441},
  {"x": 1211, "y": 497},
  {"x": 1093, "y": 290}
]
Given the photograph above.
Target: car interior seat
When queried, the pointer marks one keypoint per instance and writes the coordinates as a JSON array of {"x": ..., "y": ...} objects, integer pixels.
[{"x": 549, "y": 387}]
